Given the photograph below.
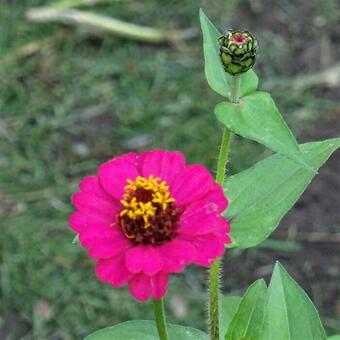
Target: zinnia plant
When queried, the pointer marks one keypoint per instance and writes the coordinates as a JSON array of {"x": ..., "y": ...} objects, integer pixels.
[{"x": 145, "y": 216}]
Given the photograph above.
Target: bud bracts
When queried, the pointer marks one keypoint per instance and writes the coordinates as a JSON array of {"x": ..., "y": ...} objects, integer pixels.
[{"x": 237, "y": 51}]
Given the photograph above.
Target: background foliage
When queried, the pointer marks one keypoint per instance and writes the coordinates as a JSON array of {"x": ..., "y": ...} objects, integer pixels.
[{"x": 70, "y": 100}]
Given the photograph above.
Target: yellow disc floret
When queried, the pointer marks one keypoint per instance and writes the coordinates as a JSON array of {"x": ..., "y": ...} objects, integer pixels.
[{"x": 144, "y": 197}]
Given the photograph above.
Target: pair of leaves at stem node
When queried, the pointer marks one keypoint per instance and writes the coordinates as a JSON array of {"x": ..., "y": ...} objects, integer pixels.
[{"x": 281, "y": 312}]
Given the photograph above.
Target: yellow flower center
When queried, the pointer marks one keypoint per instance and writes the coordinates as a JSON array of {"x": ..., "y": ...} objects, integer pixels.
[{"x": 144, "y": 198}]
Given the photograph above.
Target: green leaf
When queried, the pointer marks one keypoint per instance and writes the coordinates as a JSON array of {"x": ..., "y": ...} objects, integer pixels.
[
  {"x": 145, "y": 330},
  {"x": 289, "y": 313},
  {"x": 334, "y": 337},
  {"x": 247, "y": 321},
  {"x": 214, "y": 72},
  {"x": 257, "y": 118},
  {"x": 217, "y": 78},
  {"x": 229, "y": 305},
  {"x": 249, "y": 82},
  {"x": 261, "y": 195}
]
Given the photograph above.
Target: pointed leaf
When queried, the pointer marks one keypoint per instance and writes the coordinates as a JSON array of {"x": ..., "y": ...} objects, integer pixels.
[
  {"x": 262, "y": 195},
  {"x": 229, "y": 305},
  {"x": 247, "y": 321},
  {"x": 249, "y": 82},
  {"x": 217, "y": 78},
  {"x": 145, "y": 330},
  {"x": 257, "y": 118},
  {"x": 289, "y": 313},
  {"x": 214, "y": 72}
]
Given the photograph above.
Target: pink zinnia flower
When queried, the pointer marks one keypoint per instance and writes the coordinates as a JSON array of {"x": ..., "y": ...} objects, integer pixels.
[{"x": 145, "y": 216}]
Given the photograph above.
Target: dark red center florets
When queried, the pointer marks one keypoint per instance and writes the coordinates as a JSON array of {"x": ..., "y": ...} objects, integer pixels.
[
  {"x": 239, "y": 38},
  {"x": 163, "y": 228},
  {"x": 149, "y": 214}
]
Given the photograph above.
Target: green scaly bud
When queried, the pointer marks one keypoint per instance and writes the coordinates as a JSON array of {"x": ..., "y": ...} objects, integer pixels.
[{"x": 237, "y": 51}]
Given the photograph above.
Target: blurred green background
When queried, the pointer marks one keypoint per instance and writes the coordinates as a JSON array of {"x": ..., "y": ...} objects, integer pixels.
[{"x": 71, "y": 98}]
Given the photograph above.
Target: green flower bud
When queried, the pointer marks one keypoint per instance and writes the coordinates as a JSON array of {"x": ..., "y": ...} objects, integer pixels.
[{"x": 237, "y": 51}]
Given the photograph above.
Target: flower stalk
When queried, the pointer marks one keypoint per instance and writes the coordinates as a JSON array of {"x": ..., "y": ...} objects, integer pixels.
[
  {"x": 235, "y": 83},
  {"x": 160, "y": 319},
  {"x": 215, "y": 270}
]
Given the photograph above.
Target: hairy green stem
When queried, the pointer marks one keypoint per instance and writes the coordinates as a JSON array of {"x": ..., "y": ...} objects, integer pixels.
[
  {"x": 160, "y": 319},
  {"x": 214, "y": 275},
  {"x": 223, "y": 156},
  {"x": 235, "y": 83}
]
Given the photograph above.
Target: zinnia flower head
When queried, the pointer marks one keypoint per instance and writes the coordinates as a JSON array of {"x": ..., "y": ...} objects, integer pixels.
[
  {"x": 147, "y": 215},
  {"x": 237, "y": 51}
]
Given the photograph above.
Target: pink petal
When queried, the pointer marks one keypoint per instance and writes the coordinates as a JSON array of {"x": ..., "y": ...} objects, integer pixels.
[
  {"x": 199, "y": 217},
  {"x": 208, "y": 248},
  {"x": 99, "y": 232},
  {"x": 224, "y": 238},
  {"x": 113, "y": 271},
  {"x": 103, "y": 241},
  {"x": 140, "y": 287},
  {"x": 84, "y": 201},
  {"x": 222, "y": 228},
  {"x": 163, "y": 164},
  {"x": 113, "y": 175},
  {"x": 144, "y": 258},
  {"x": 90, "y": 184},
  {"x": 217, "y": 196},
  {"x": 159, "y": 285},
  {"x": 191, "y": 184},
  {"x": 176, "y": 255},
  {"x": 79, "y": 220}
]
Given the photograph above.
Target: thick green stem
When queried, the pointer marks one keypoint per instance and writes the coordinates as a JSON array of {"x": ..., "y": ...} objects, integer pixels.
[
  {"x": 235, "y": 83},
  {"x": 223, "y": 156},
  {"x": 214, "y": 291},
  {"x": 160, "y": 319},
  {"x": 214, "y": 275}
]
